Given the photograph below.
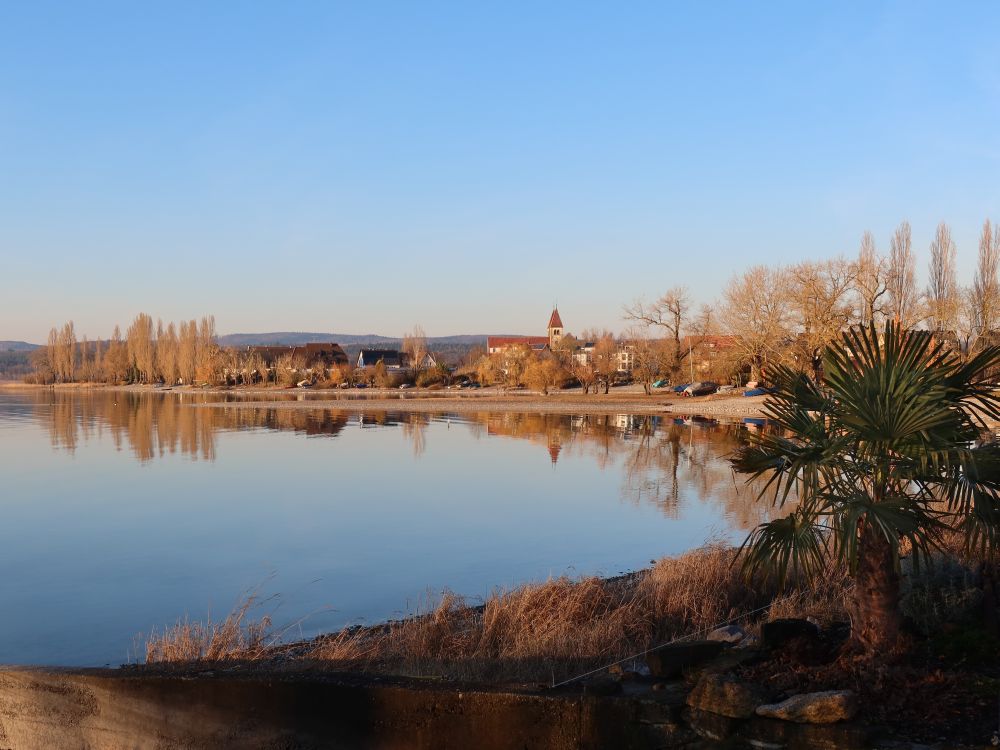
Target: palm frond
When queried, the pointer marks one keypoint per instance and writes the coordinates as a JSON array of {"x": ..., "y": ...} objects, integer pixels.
[{"x": 790, "y": 545}]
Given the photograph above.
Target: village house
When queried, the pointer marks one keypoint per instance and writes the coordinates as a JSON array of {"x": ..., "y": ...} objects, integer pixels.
[
  {"x": 626, "y": 356},
  {"x": 393, "y": 359},
  {"x": 310, "y": 355}
]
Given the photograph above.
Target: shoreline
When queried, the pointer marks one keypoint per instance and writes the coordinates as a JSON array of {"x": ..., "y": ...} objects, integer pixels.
[{"x": 424, "y": 401}]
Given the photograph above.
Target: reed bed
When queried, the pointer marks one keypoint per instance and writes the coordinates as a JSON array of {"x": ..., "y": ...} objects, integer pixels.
[{"x": 535, "y": 632}]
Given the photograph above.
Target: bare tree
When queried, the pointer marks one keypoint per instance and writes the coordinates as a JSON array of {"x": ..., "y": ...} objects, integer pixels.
[
  {"x": 166, "y": 353},
  {"x": 207, "y": 364},
  {"x": 942, "y": 289},
  {"x": 116, "y": 360},
  {"x": 187, "y": 351},
  {"x": 650, "y": 357},
  {"x": 904, "y": 301},
  {"x": 984, "y": 297},
  {"x": 489, "y": 369},
  {"x": 544, "y": 373},
  {"x": 415, "y": 347},
  {"x": 669, "y": 312},
  {"x": 871, "y": 282},
  {"x": 820, "y": 297},
  {"x": 141, "y": 347},
  {"x": 605, "y": 359},
  {"x": 705, "y": 322},
  {"x": 755, "y": 311},
  {"x": 60, "y": 354}
]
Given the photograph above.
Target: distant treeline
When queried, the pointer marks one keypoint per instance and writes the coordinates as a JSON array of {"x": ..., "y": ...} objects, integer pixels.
[{"x": 188, "y": 353}]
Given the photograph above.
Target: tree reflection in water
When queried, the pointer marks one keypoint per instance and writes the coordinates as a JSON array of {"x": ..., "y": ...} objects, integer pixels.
[{"x": 664, "y": 461}]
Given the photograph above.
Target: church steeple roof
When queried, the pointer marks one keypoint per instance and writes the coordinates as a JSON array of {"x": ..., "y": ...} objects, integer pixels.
[{"x": 554, "y": 320}]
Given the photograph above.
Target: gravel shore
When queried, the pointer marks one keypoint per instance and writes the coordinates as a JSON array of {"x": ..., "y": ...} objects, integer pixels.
[
  {"x": 625, "y": 400},
  {"x": 536, "y": 403}
]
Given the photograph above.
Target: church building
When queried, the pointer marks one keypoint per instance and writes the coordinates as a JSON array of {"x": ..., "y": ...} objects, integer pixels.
[{"x": 556, "y": 332}]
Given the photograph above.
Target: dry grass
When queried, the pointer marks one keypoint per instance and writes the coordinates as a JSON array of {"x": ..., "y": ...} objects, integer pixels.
[
  {"x": 534, "y": 632},
  {"x": 239, "y": 637}
]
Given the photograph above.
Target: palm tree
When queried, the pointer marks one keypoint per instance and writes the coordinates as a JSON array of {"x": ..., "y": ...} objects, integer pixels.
[{"x": 889, "y": 450}]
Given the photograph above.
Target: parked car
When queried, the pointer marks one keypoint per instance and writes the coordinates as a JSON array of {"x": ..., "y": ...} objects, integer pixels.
[
  {"x": 404, "y": 386},
  {"x": 361, "y": 385},
  {"x": 701, "y": 389},
  {"x": 681, "y": 388}
]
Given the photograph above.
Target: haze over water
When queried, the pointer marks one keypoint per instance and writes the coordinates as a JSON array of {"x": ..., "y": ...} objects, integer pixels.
[{"x": 124, "y": 511}]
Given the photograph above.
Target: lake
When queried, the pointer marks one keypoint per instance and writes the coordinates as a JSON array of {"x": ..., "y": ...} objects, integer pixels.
[{"x": 123, "y": 511}]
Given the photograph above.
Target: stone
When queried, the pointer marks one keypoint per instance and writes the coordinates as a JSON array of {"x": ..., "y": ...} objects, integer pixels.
[
  {"x": 671, "y": 660},
  {"x": 727, "y": 634},
  {"x": 779, "y": 632},
  {"x": 824, "y": 707},
  {"x": 725, "y": 695},
  {"x": 623, "y": 674}
]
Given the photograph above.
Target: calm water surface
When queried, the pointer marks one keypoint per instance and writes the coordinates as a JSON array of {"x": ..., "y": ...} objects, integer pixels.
[{"x": 124, "y": 511}]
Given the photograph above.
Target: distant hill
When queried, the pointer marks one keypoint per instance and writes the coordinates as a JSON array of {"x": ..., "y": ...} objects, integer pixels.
[
  {"x": 17, "y": 346},
  {"x": 14, "y": 363}
]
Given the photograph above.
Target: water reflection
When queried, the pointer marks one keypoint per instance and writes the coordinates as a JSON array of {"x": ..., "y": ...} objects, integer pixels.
[
  {"x": 662, "y": 458},
  {"x": 147, "y": 507}
]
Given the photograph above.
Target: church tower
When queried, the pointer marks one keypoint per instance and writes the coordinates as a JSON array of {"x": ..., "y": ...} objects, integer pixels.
[{"x": 555, "y": 328}]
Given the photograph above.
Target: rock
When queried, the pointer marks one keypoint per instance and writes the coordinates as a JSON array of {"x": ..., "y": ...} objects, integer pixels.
[
  {"x": 632, "y": 672},
  {"x": 725, "y": 695},
  {"x": 671, "y": 660},
  {"x": 729, "y": 660},
  {"x": 779, "y": 632},
  {"x": 727, "y": 634},
  {"x": 814, "y": 708}
]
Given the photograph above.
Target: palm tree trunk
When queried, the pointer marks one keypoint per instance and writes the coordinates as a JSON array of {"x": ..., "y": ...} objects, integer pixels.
[{"x": 877, "y": 616}]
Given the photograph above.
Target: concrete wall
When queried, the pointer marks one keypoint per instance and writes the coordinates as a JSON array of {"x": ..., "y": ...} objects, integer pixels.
[{"x": 113, "y": 709}]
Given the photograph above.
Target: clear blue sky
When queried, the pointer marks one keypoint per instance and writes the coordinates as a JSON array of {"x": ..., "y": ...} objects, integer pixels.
[{"x": 363, "y": 167}]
